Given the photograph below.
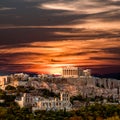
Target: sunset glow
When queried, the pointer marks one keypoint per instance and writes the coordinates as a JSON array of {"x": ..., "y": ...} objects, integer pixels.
[{"x": 60, "y": 33}]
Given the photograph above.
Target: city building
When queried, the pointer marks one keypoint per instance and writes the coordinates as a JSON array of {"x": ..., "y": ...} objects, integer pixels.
[{"x": 40, "y": 103}]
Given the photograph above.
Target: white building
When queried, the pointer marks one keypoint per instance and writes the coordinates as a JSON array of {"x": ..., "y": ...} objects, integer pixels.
[
  {"x": 75, "y": 72},
  {"x": 20, "y": 83},
  {"x": 87, "y": 72},
  {"x": 21, "y": 76},
  {"x": 4, "y": 81}
]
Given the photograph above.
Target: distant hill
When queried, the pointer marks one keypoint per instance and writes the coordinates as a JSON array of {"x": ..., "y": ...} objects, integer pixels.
[{"x": 111, "y": 75}]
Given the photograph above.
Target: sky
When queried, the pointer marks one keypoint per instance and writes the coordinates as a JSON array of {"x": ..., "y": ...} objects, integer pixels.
[{"x": 42, "y": 36}]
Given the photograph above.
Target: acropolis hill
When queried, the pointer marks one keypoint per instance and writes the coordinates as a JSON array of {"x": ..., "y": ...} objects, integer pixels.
[
  {"x": 73, "y": 82},
  {"x": 73, "y": 79}
]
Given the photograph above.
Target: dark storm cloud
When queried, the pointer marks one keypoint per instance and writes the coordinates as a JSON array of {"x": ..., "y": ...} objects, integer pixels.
[
  {"x": 105, "y": 69},
  {"x": 10, "y": 58},
  {"x": 6, "y": 45},
  {"x": 105, "y": 58},
  {"x": 20, "y": 37},
  {"x": 55, "y": 61},
  {"x": 107, "y": 16},
  {"x": 77, "y": 53},
  {"x": 19, "y": 54},
  {"x": 14, "y": 67},
  {"x": 86, "y": 34},
  {"x": 113, "y": 50},
  {"x": 27, "y": 14}
]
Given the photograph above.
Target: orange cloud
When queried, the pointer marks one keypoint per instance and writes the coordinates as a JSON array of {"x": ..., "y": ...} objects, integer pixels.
[{"x": 51, "y": 56}]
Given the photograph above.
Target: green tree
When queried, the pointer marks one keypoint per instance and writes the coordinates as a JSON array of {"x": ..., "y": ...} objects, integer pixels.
[
  {"x": 9, "y": 87},
  {"x": 3, "y": 112},
  {"x": 2, "y": 94}
]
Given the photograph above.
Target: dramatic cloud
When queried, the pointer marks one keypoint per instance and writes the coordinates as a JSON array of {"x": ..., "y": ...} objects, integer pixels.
[
  {"x": 43, "y": 35},
  {"x": 52, "y": 55}
]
